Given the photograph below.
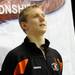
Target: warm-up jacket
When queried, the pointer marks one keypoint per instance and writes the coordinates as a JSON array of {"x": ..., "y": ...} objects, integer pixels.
[{"x": 27, "y": 59}]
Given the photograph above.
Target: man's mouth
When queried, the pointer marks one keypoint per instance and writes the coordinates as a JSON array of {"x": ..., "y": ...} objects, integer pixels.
[{"x": 42, "y": 24}]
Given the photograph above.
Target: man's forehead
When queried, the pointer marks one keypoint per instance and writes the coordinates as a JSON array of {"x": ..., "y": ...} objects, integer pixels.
[{"x": 35, "y": 11}]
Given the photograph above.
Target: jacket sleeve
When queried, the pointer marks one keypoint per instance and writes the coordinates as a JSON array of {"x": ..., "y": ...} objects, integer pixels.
[
  {"x": 9, "y": 64},
  {"x": 21, "y": 67},
  {"x": 14, "y": 65}
]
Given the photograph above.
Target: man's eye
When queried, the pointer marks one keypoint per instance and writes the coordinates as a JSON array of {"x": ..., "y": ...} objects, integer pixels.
[{"x": 35, "y": 16}]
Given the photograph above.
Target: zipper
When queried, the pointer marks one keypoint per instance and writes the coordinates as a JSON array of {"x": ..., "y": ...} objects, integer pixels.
[
  {"x": 47, "y": 67},
  {"x": 43, "y": 53}
]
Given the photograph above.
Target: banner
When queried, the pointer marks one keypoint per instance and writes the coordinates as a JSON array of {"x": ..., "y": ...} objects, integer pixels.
[{"x": 9, "y": 9}]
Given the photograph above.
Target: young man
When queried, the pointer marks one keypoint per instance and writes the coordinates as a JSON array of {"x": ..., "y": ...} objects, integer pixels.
[{"x": 33, "y": 56}]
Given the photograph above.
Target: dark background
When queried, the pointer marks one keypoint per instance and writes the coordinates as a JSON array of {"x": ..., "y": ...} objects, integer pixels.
[{"x": 73, "y": 11}]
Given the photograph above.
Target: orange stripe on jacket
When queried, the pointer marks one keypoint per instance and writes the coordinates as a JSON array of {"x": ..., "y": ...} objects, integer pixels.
[{"x": 21, "y": 66}]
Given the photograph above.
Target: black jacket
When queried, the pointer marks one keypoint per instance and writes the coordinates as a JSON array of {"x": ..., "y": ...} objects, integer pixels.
[{"x": 27, "y": 59}]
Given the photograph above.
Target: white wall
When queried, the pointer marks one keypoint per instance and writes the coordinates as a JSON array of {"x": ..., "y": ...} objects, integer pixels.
[{"x": 60, "y": 33}]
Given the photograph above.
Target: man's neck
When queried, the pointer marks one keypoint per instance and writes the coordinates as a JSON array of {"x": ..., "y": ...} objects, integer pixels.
[{"x": 37, "y": 40}]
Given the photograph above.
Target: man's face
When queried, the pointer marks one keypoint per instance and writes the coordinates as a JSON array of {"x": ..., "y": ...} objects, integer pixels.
[{"x": 36, "y": 23}]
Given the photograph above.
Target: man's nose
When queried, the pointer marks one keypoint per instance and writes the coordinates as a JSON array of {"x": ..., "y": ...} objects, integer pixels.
[{"x": 42, "y": 18}]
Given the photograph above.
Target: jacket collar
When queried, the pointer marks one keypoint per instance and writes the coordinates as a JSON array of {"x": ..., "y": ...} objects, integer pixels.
[
  {"x": 27, "y": 42},
  {"x": 32, "y": 46}
]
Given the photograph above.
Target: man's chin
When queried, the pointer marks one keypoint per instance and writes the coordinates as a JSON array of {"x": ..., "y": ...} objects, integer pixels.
[{"x": 43, "y": 32}]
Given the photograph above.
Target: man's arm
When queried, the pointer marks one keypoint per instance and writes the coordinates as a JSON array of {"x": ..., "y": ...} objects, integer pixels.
[
  {"x": 14, "y": 65},
  {"x": 8, "y": 64}
]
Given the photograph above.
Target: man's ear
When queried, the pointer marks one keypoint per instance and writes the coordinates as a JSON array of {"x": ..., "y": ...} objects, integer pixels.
[{"x": 24, "y": 26}]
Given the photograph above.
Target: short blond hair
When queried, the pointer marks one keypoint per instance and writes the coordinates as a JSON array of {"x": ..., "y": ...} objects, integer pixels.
[{"x": 24, "y": 13}]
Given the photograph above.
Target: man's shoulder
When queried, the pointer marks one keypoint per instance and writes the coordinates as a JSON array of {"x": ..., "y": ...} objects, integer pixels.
[
  {"x": 54, "y": 52},
  {"x": 19, "y": 51}
]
